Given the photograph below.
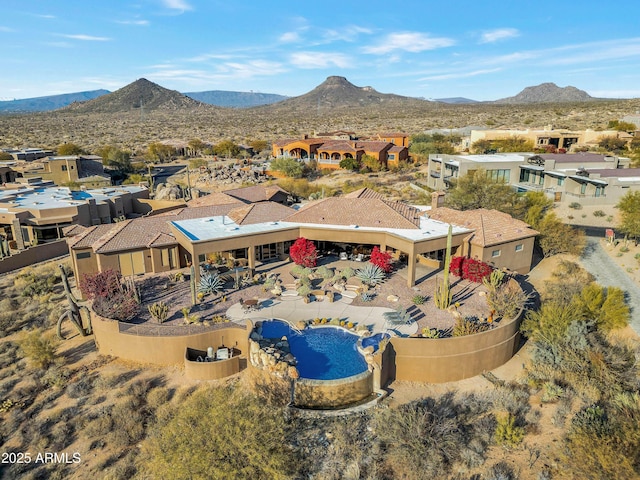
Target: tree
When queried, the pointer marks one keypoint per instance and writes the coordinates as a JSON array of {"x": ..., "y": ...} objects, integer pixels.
[
  {"x": 218, "y": 433},
  {"x": 350, "y": 163},
  {"x": 160, "y": 152},
  {"x": 5, "y": 156},
  {"x": 629, "y": 207},
  {"x": 303, "y": 252},
  {"x": 226, "y": 148},
  {"x": 613, "y": 144},
  {"x": 532, "y": 207},
  {"x": 477, "y": 190},
  {"x": 259, "y": 145},
  {"x": 372, "y": 163},
  {"x": 557, "y": 237},
  {"x": 115, "y": 157},
  {"x": 69, "y": 149},
  {"x": 288, "y": 166},
  {"x": 622, "y": 126},
  {"x": 196, "y": 146}
]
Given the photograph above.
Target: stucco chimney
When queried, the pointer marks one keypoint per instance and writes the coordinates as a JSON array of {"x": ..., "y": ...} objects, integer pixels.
[{"x": 437, "y": 200}]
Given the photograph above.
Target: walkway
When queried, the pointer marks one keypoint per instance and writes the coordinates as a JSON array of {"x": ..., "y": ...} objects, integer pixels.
[
  {"x": 294, "y": 309},
  {"x": 607, "y": 273}
]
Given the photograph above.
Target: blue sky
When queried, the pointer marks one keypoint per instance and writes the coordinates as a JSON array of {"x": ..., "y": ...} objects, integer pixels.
[{"x": 482, "y": 50}]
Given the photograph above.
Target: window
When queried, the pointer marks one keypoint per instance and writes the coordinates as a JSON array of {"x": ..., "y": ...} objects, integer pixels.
[
  {"x": 583, "y": 188},
  {"x": 495, "y": 253},
  {"x": 519, "y": 247},
  {"x": 64, "y": 168},
  {"x": 524, "y": 175},
  {"x": 500, "y": 175},
  {"x": 560, "y": 181},
  {"x": 392, "y": 156},
  {"x": 81, "y": 255}
]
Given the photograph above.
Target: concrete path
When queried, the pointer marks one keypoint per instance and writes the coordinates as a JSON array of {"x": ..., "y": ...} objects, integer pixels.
[
  {"x": 294, "y": 309},
  {"x": 608, "y": 274}
]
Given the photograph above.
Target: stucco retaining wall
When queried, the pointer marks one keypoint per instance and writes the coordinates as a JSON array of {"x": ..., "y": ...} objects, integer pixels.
[
  {"x": 209, "y": 370},
  {"x": 163, "y": 350},
  {"x": 450, "y": 359}
]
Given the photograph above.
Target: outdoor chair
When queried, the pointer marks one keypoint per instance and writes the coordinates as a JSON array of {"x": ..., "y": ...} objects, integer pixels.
[
  {"x": 359, "y": 258},
  {"x": 398, "y": 317},
  {"x": 344, "y": 256}
]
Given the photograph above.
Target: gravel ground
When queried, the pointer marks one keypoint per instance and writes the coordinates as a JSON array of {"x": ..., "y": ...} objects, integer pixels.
[{"x": 607, "y": 273}]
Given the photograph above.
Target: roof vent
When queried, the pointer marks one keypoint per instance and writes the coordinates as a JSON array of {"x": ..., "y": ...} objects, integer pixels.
[
  {"x": 231, "y": 229},
  {"x": 353, "y": 226}
]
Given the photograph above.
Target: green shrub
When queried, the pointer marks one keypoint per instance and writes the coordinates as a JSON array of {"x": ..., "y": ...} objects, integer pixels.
[
  {"x": 469, "y": 326},
  {"x": 159, "y": 311},
  {"x": 210, "y": 284},
  {"x": 347, "y": 273},
  {"x": 39, "y": 348},
  {"x": 599, "y": 213},
  {"x": 575, "y": 206},
  {"x": 418, "y": 299},
  {"x": 371, "y": 274},
  {"x": 508, "y": 433}
]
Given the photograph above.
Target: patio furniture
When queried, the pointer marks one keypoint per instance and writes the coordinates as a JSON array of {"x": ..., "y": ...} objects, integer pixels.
[
  {"x": 344, "y": 256},
  {"x": 397, "y": 317},
  {"x": 252, "y": 304},
  {"x": 359, "y": 258}
]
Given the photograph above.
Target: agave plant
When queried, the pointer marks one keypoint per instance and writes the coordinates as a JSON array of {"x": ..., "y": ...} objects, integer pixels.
[
  {"x": 371, "y": 274},
  {"x": 211, "y": 283}
]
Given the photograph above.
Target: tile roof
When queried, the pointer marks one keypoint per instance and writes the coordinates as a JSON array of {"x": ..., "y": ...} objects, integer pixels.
[
  {"x": 259, "y": 213},
  {"x": 364, "y": 211},
  {"x": 216, "y": 198},
  {"x": 255, "y": 193},
  {"x": 491, "y": 226}
]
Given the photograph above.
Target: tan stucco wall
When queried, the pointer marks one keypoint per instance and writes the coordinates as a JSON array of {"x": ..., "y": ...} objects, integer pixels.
[
  {"x": 211, "y": 370},
  {"x": 162, "y": 350},
  {"x": 333, "y": 393},
  {"x": 450, "y": 359},
  {"x": 515, "y": 261}
]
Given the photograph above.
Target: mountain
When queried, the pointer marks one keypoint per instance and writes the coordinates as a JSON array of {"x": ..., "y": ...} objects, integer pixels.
[
  {"x": 50, "y": 102},
  {"x": 223, "y": 98},
  {"x": 337, "y": 93},
  {"x": 141, "y": 95},
  {"x": 548, "y": 93},
  {"x": 455, "y": 100}
]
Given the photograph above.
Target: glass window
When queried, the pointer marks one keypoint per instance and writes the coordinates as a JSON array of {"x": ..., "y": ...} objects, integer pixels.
[
  {"x": 560, "y": 181},
  {"x": 583, "y": 188},
  {"x": 519, "y": 247},
  {"x": 81, "y": 255},
  {"x": 495, "y": 253}
]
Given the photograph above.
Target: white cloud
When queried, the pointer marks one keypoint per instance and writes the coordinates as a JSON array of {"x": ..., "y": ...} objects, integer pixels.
[
  {"x": 143, "y": 23},
  {"x": 348, "y": 33},
  {"x": 628, "y": 93},
  {"x": 449, "y": 76},
  {"x": 210, "y": 56},
  {"x": 87, "y": 38},
  {"x": 413, "y": 42},
  {"x": 320, "y": 60},
  {"x": 177, "y": 5},
  {"x": 289, "y": 37},
  {"x": 498, "y": 34},
  {"x": 45, "y": 16}
]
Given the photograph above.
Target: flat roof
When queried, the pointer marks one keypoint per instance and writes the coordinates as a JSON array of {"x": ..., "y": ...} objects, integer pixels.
[{"x": 223, "y": 227}]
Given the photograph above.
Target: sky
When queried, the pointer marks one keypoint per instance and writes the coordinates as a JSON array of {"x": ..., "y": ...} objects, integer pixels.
[{"x": 482, "y": 50}]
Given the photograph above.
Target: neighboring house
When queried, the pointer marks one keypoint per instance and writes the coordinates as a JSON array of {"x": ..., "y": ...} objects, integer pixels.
[
  {"x": 547, "y": 137},
  {"x": 27, "y": 154},
  {"x": 87, "y": 170},
  {"x": 329, "y": 152},
  {"x": 8, "y": 175},
  {"x": 589, "y": 178},
  {"x": 30, "y": 215}
]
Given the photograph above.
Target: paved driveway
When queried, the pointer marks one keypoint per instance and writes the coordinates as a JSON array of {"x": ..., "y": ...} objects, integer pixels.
[{"x": 608, "y": 274}]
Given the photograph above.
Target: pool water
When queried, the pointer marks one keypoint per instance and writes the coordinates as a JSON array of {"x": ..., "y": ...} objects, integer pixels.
[{"x": 326, "y": 353}]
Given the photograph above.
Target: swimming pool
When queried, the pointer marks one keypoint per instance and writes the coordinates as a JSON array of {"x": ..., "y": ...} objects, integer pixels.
[{"x": 323, "y": 353}]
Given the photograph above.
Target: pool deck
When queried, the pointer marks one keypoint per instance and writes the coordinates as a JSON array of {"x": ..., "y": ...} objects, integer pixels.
[{"x": 293, "y": 309}]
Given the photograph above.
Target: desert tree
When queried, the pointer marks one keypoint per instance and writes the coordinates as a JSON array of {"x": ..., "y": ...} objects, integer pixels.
[
  {"x": 477, "y": 190},
  {"x": 69, "y": 149},
  {"x": 629, "y": 207}
]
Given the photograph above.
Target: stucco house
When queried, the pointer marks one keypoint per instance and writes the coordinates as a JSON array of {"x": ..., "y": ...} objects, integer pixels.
[{"x": 262, "y": 231}]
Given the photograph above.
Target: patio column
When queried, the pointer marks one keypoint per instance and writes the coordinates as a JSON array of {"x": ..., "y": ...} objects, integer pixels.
[
  {"x": 383, "y": 246},
  {"x": 251, "y": 253},
  {"x": 411, "y": 268}
]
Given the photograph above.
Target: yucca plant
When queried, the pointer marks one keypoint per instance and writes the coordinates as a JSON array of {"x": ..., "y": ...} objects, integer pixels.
[
  {"x": 371, "y": 274},
  {"x": 367, "y": 296},
  {"x": 211, "y": 283}
]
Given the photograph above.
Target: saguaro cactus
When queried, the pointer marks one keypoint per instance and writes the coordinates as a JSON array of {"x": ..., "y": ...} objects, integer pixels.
[
  {"x": 192, "y": 282},
  {"x": 443, "y": 294}
]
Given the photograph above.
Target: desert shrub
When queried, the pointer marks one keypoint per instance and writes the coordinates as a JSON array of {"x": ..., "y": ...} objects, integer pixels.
[
  {"x": 80, "y": 388},
  {"x": 120, "y": 307},
  {"x": 501, "y": 471},
  {"x": 575, "y": 206},
  {"x": 300, "y": 271},
  {"x": 418, "y": 299},
  {"x": 347, "y": 273},
  {"x": 223, "y": 424},
  {"x": 508, "y": 433},
  {"x": 512, "y": 398},
  {"x": 101, "y": 284},
  {"x": 325, "y": 272},
  {"x": 551, "y": 392},
  {"x": 469, "y": 269},
  {"x": 599, "y": 213},
  {"x": 469, "y": 326},
  {"x": 39, "y": 348},
  {"x": 507, "y": 299},
  {"x": 367, "y": 296},
  {"x": 158, "y": 311}
]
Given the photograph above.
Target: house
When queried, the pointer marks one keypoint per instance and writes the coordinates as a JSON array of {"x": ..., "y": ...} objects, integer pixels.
[
  {"x": 330, "y": 152},
  {"x": 32, "y": 214},
  {"x": 86, "y": 170},
  {"x": 585, "y": 177}
]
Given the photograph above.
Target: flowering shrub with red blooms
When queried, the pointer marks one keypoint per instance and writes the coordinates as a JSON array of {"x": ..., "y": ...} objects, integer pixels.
[
  {"x": 110, "y": 298},
  {"x": 303, "y": 252},
  {"x": 381, "y": 259},
  {"x": 469, "y": 269}
]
